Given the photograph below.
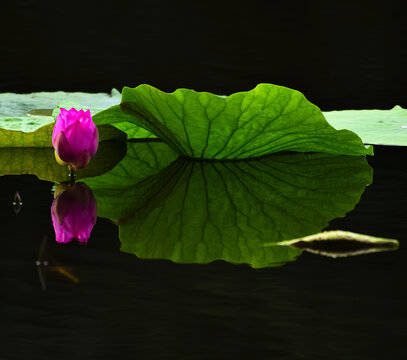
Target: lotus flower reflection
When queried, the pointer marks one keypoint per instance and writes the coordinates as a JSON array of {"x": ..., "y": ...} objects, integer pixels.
[
  {"x": 73, "y": 212},
  {"x": 75, "y": 138}
]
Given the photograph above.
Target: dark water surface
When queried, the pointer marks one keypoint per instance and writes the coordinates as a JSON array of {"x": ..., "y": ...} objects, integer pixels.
[
  {"x": 341, "y": 56},
  {"x": 127, "y": 308}
]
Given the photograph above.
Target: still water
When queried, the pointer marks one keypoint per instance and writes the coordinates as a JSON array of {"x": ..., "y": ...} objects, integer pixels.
[{"x": 190, "y": 277}]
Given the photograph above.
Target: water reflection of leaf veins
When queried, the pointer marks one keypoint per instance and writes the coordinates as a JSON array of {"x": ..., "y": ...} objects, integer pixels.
[{"x": 197, "y": 212}]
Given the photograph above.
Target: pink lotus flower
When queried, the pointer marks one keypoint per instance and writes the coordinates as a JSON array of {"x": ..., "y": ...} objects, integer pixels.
[
  {"x": 73, "y": 212},
  {"x": 75, "y": 138}
]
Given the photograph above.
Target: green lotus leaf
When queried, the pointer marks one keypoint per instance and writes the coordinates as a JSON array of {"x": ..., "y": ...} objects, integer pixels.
[
  {"x": 40, "y": 161},
  {"x": 381, "y": 127},
  {"x": 250, "y": 124},
  {"x": 199, "y": 211},
  {"x": 125, "y": 123},
  {"x": 26, "y": 119},
  {"x": 115, "y": 189},
  {"x": 113, "y": 115}
]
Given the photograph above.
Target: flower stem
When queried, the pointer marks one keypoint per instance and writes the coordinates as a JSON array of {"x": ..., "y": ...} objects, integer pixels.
[{"x": 71, "y": 176}]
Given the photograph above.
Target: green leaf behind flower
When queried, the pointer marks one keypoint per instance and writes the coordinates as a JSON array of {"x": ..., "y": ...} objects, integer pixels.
[
  {"x": 26, "y": 119},
  {"x": 14, "y": 108},
  {"x": 123, "y": 121},
  {"x": 41, "y": 162},
  {"x": 250, "y": 124},
  {"x": 42, "y": 137},
  {"x": 381, "y": 127},
  {"x": 113, "y": 115}
]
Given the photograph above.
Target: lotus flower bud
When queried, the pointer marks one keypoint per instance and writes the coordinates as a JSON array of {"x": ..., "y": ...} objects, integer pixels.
[
  {"x": 73, "y": 212},
  {"x": 75, "y": 138}
]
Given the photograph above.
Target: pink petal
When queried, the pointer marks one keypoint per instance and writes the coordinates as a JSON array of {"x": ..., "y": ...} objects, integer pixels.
[
  {"x": 80, "y": 132},
  {"x": 79, "y": 137},
  {"x": 79, "y": 115},
  {"x": 63, "y": 114},
  {"x": 60, "y": 124},
  {"x": 62, "y": 235},
  {"x": 86, "y": 118},
  {"x": 72, "y": 114},
  {"x": 74, "y": 214},
  {"x": 63, "y": 148},
  {"x": 81, "y": 161},
  {"x": 79, "y": 223},
  {"x": 57, "y": 217}
]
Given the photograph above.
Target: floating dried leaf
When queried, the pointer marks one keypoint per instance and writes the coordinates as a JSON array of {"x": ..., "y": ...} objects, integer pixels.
[{"x": 340, "y": 243}]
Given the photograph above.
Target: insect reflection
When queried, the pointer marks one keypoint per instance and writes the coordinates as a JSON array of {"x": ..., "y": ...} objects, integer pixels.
[
  {"x": 17, "y": 203},
  {"x": 45, "y": 263}
]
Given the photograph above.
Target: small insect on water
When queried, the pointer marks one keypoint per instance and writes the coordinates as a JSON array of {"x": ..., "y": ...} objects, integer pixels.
[{"x": 17, "y": 203}]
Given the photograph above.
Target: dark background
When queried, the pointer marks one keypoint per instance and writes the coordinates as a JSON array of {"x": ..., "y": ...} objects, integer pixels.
[
  {"x": 315, "y": 308},
  {"x": 341, "y": 55}
]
